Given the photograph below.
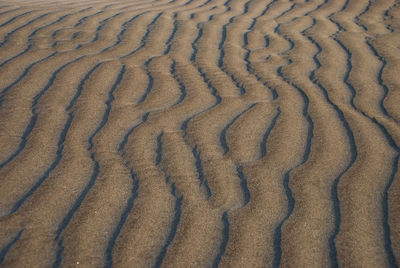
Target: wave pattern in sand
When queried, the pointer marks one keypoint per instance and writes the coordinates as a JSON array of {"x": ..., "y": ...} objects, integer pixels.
[{"x": 199, "y": 133}]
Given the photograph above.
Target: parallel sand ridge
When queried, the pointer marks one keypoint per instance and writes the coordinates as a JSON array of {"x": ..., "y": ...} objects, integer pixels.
[{"x": 200, "y": 133}]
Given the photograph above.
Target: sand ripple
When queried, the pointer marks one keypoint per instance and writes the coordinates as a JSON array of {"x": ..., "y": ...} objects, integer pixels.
[{"x": 199, "y": 133}]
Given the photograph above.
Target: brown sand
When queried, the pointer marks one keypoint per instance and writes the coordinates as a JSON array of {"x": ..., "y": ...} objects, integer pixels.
[{"x": 199, "y": 133}]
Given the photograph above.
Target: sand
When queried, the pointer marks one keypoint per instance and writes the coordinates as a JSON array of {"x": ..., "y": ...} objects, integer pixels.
[{"x": 199, "y": 133}]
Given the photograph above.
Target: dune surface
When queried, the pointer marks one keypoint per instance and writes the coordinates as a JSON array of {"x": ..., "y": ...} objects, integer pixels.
[{"x": 199, "y": 133}]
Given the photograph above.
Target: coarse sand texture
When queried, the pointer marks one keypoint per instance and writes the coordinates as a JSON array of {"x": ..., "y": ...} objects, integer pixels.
[{"x": 199, "y": 133}]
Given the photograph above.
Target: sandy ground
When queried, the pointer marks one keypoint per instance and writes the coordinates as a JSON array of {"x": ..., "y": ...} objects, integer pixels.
[{"x": 199, "y": 133}]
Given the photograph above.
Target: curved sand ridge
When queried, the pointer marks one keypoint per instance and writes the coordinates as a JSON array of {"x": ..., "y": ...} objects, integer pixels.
[{"x": 199, "y": 133}]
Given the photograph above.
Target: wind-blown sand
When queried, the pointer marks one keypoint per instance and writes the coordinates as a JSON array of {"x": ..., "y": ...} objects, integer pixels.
[{"x": 199, "y": 133}]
